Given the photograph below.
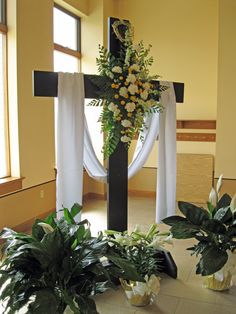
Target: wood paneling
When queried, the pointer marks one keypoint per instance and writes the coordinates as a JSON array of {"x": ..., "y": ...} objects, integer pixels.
[
  {"x": 196, "y": 137},
  {"x": 196, "y": 124}
]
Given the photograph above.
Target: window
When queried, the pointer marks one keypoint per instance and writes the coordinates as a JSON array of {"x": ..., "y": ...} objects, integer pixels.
[
  {"x": 4, "y": 141},
  {"x": 66, "y": 41}
]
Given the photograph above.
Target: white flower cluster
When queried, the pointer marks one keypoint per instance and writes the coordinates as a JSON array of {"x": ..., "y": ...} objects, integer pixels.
[{"x": 114, "y": 108}]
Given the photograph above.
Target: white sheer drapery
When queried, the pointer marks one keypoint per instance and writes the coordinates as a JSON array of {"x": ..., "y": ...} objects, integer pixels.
[{"x": 73, "y": 134}]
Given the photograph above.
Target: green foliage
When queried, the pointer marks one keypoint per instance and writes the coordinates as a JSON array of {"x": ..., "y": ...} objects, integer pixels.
[
  {"x": 58, "y": 265},
  {"x": 214, "y": 229}
]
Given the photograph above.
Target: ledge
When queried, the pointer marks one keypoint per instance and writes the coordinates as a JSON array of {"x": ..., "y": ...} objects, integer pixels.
[{"x": 10, "y": 184}]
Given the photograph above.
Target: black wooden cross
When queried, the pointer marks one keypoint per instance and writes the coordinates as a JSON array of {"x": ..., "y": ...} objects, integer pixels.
[{"x": 45, "y": 84}]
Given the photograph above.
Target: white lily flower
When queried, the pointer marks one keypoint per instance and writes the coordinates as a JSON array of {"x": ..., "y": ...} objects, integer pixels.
[
  {"x": 233, "y": 204},
  {"x": 219, "y": 184},
  {"x": 213, "y": 197},
  {"x": 46, "y": 227}
]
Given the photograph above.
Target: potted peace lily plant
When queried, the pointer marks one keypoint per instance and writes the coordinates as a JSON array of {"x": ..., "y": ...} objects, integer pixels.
[
  {"x": 57, "y": 268},
  {"x": 214, "y": 228},
  {"x": 140, "y": 248}
]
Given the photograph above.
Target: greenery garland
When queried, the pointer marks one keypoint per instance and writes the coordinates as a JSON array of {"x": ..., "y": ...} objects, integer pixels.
[{"x": 126, "y": 90}]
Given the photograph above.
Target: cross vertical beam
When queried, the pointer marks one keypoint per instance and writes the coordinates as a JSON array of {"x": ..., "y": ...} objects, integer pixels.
[{"x": 117, "y": 188}]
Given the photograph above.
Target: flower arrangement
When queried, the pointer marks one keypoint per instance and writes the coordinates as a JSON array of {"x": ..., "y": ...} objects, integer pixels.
[
  {"x": 127, "y": 91},
  {"x": 215, "y": 230}
]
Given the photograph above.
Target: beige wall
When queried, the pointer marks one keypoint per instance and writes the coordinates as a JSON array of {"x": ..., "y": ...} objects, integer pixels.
[
  {"x": 226, "y": 109},
  {"x": 184, "y": 38}
]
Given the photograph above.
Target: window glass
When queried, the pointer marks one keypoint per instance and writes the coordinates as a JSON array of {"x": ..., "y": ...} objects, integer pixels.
[
  {"x": 65, "y": 63},
  {"x": 65, "y": 29}
]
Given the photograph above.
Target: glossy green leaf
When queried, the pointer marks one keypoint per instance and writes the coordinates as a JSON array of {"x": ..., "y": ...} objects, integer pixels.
[
  {"x": 172, "y": 220},
  {"x": 212, "y": 260},
  {"x": 193, "y": 213}
]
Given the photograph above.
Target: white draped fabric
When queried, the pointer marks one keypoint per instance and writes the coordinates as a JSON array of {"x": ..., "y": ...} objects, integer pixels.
[
  {"x": 166, "y": 167},
  {"x": 73, "y": 135},
  {"x": 70, "y": 139}
]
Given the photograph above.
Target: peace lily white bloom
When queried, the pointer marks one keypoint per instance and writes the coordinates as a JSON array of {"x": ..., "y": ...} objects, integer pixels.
[
  {"x": 133, "y": 89},
  {"x": 219, "y": 184},
  {"x": 126, "y": 123},
  {"x": 144, "y": 95},
  {"x": 112, "y": 107},
  {"x": 213, "y": 197},
  {"x": 131, "y": 78},
  {"x": 125, "y": 139},
  {"x": 46, "y": 227},
  {"x": 233, "y": 204},
  {"x": 130, "y": 106},
  {"x": 123, "y": 91},
  {"x": 116, "y": 69}
]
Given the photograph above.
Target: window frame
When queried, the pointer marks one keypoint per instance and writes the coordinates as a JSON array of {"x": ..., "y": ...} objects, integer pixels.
[
  {"x": 3, "y": 31},
  {"x": 72, "y": 52}
]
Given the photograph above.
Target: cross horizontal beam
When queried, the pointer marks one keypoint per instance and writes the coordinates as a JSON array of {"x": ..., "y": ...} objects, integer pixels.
[{"x": 45, "y": 85}]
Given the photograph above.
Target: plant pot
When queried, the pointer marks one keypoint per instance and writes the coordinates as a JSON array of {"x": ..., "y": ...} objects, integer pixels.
[
  {"x": 214, "y": 283},
  {"x": 141, "y": 293}
]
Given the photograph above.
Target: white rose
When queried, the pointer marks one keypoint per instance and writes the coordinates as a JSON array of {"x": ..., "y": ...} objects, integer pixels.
[
  {"x": 116, "y": 112},
  {"x": 125, "y": 139},
  {"x": 144, "y": 95},
  {"x": 116, "y": 69},
  {"x": 112, "y": 106},
  {"x": 123, "y": 91},
  {"x": 135, "y": 67},
  {"x": 131, "y": 78},
  {"x": 146, "y": 85},
  {"x": 130, "y": 106},
  {"x": 133, "y": 89},
  {"x": 126, "y": 123}
]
